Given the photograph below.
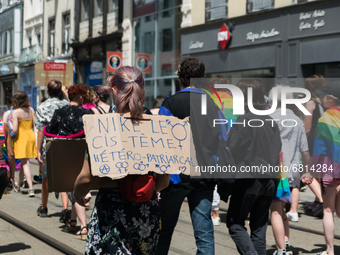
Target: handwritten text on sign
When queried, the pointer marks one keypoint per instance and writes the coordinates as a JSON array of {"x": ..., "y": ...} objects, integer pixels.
[{"x": 118, "y": 146}]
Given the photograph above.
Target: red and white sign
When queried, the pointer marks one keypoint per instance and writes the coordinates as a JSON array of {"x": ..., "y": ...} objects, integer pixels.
[
  {"x": 52, "y": 66},
  {"x": 223, "y": 36},
  {"x": 114, "y": 61}
]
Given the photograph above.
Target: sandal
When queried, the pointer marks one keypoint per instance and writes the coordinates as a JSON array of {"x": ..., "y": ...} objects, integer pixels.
[
  {"x": 82, "y": 233},
  {"x": 72, "y": 224}
]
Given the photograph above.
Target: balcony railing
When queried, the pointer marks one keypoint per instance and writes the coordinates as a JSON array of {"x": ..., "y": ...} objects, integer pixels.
[{"x": 30, "y": 55}]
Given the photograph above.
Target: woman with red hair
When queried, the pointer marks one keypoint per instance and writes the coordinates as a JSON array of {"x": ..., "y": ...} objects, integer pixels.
[
  {"x": 67, "y": 123},
  {"x": 119, "y": 226}
]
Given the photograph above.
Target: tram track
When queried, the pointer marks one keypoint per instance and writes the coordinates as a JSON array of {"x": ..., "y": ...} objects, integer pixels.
[{"x": 39, "y": 235}]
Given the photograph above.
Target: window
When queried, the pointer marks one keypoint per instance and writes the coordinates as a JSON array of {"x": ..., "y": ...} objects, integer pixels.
[
  {"x": 98, "y": 8},
  {"x": 167, "y": 39},
  {"x": 10, "y": 39},
  {"x": 66, "y": 33},
  {"x": 4, "y": 43},
  {"x": 84, "y": 14},
  {"x": 259, "y": 5},
  {"x": 38, "y": 39},
  {"x": 148, "y": 46},
  {"x": 0, "y": 45},
  {"x": 51, "y": 37},
  {"x": 113, "y": 5},
  {"x": 216, "y": 9},
  {"x": 29, "y": 40},
  {"x": 166, "y": 5}
]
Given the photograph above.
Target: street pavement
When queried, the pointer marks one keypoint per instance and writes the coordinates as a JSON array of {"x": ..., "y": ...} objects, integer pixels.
[{"x": 22, "y": 207}]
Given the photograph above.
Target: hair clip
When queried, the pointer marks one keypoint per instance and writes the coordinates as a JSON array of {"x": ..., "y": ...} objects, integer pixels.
[{"x": 131, "y": 81}]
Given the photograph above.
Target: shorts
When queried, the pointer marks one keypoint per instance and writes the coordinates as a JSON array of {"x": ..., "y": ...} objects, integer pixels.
[
  {"x": 294, "y": 183},
  {"x": 328, "y": 181},
  {"x": 44, "y": 168},
  {"x": 3, "y": 180}
]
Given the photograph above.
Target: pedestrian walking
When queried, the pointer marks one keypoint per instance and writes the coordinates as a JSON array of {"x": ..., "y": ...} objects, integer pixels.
[
  {"x": 67, "y": 123},
  {"x": 326, "y": 157},
  {"x": 252, "y": 147},
  {"x": 198, "y": 191},
  {"x": 119, "y": 226},
  {"x": 6, "y": 181},
  {"x": 23, "y": 119},
  {"x": 294, "y": 147},
  {"x": 45, "y": 113},
  {"x": 314, "y": 106}
]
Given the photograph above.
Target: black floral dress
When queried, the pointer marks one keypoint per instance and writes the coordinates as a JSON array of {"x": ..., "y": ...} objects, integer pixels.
[{"x": 118, "y": 226}]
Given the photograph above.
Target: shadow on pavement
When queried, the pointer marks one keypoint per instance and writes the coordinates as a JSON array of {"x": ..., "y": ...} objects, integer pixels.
[{"x": 13, "y": 247}]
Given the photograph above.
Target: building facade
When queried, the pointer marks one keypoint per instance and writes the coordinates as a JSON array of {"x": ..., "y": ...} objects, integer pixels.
[
  {"x": 58, "y": 33},
  {"x": 98, "y": 30},
  {"x": 268, "y": 39},
  {"x": 10, "y": 47},
  {"x": 32, "y": 50}
]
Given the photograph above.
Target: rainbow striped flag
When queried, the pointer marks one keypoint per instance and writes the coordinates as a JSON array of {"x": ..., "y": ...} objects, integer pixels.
[
  {"x": 326, "y": 151},
  {"x": 227, "y": 105}
]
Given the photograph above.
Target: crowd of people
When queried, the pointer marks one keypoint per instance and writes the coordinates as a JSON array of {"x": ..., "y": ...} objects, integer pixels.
[{"x": 119, "y": 225}]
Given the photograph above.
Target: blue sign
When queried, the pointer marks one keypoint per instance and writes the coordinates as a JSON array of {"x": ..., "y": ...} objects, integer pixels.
[{"x": 94, "y": 73}]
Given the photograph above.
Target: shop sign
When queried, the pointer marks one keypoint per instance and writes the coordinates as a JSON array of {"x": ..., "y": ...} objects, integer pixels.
[
  {"x": 223, "y": 36},
  {"x": 143, "y": 62},
  {"x": 44, "y": 72},
  {"x": 310, "y": 20},
  {"x": 4, "y": 69},
  {"x": 196, "y": 45},
  {"x": 264, "y": 34},
  {"x": 52, "y": 66},
  {"x": 114, "y": 61}
]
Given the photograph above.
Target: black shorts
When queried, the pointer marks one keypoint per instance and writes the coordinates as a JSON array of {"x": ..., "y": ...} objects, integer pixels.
[{"x": 3, "y": 180}]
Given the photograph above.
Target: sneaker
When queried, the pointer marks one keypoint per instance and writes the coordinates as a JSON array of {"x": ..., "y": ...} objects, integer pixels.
[
  {"x": 42, "y": 212},
  {"x": 280, "y": 252},
  {"x": 31, "y": 193},
  {"x": 318, "y": 211},
  {"x": 292, "y": 216},
  {"x": 289, "y": 250},
  {"x": 216, "y": 221}
]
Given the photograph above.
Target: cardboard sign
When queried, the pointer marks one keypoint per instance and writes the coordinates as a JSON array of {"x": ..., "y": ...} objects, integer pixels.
[
  {"x": 44, "y": 72},
  {"x": 64, "y": 159},
  {"x": 114, "y": 61},
  {"x": 119, "y": 146},
  {"x": 143, "y": 62}
]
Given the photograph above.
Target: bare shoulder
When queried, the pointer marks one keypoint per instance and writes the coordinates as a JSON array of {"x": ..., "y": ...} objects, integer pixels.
[{"x": 310, "y": 105}]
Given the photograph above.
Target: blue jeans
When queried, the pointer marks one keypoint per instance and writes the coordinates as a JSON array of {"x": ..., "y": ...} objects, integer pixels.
[{"x": 200, "y": 211}]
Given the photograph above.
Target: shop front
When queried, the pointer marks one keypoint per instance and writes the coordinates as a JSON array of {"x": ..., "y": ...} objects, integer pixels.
[
  {"x": 9, "y": 77},
  {"x": 291, "y": 42}
]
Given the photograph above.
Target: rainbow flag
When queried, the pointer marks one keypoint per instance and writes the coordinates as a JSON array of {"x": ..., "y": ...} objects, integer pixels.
[
  {"x": 227, "y": 105},
  {"x": 326, "y": 151}
]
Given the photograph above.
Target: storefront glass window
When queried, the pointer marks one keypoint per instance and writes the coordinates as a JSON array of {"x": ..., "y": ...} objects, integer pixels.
[
  {"x": 164, "y": 87},
  {"x": 149, "y": 94},
  {"x": 168, "y": 42},
  {"x": 144, "y": 40},
  {"x": 216, "y": 9}
]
